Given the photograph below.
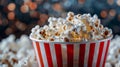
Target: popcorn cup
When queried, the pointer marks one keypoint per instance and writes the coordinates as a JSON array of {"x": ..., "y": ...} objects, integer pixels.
[{"x": 71, "y": 54}]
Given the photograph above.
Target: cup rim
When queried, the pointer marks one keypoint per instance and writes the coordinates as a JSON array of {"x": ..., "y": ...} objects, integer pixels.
[{"x": 93, "y": 41}]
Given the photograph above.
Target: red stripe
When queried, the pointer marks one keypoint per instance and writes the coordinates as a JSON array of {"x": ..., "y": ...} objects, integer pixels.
[
  {"x": 81, "y": 55},
  {"x": 108, "y": 43},
  {"x": 100, "y": 53},
  {"x": 70, "y": 55},
  {"x": 91, "y": 54},
  {"x": 58, "y": 54},
  {"x": 48, "y": 54},
  {"x": 39, "y": 54}
]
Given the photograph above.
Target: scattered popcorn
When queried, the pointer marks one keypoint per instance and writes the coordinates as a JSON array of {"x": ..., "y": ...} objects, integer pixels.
[
  {"x": 117, "y": 64},
  {"x": 17, "y": 53},
  {"x": 73, "y": 28},
  {"x": 108, "y": 65},
  {"x": 114, "y": 53}
]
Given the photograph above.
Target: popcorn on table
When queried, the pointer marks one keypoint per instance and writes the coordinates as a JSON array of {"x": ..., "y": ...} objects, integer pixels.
[
  {"x": 113, "y": 59},
  {"x": 20, "y": 53},
  {"x": 17, "y": 53},
  {"x": 73, "y": 28}
]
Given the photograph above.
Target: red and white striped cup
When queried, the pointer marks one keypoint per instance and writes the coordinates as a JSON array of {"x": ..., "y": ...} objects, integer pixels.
[{"x": 71, "y": 54}]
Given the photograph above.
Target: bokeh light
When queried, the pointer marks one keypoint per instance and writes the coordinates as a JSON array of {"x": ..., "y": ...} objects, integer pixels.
[
  {"x": 43, "y": 19},
  {"x": 32, "y": 5},
  {"x": 103, "y": 14},
  {"x": 57, "y": 7},
  {"x": 11, "y": 6},
  {"x": 112, "y": 12},
  {"x": 11, "y": 15},
  {"x": 24, "y": 8},
  {"x": 110, "y": 2},
  {"x": 81, "y": 1}
]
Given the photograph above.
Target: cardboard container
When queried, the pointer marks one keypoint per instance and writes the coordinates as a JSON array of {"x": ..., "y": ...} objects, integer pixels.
[{"x": 71, "y": 54}]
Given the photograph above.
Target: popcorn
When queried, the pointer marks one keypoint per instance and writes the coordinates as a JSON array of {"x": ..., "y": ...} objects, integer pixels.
[
  {"x": 114, "y": 53},
  {"x": 117, "y": 65},
  {"x": 4, "y": 65},
  {"x": 108, "y": 65},
  {"x": 13, "y": 53},
  {"x": 73, "y": 28}
]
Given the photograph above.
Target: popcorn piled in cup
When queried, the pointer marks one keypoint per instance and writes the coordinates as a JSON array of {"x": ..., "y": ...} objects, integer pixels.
[
  {"x": 74, "y": 41},
  {"x": 73, "y": 28}
]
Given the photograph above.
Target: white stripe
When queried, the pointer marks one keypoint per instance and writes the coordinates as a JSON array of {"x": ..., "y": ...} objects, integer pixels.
[
  {"x": 64, "y": 54},
  {"x": 97, "y": 45},
  {"x": 103, "y": 53},
  {"x": 34, "y": 44},
  {"x": 86, "y": 54},
  {"x": 53, "y": 54},
  {"x": 43, "y": 55},
  {"x": 76, "y": 55}
]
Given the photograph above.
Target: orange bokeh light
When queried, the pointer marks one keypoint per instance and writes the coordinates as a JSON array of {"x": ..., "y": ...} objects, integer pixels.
[
  {"x": 32, "y": 5},
  {"x": 112, "y": 12},
  {"x": 57, "y": 7},
  {"x": 11, "y": 6},
  {"x": 81, "y": 1},
  {"x": 24, "y": 8},
  {"x": 110, "y": 2},
  {"x": 103, "y": 14},
  {"x": 11, "y": 15}
]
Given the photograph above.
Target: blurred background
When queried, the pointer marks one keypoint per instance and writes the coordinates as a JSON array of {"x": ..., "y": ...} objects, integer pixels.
[{"x": 19, "y": 16}]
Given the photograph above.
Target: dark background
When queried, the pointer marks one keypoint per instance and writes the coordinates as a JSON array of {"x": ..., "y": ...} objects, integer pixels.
[{"x": 28, "y": 13}]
